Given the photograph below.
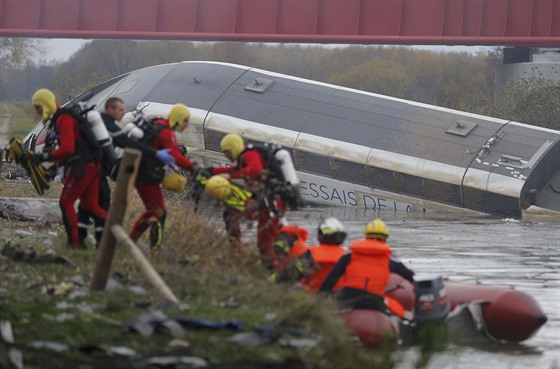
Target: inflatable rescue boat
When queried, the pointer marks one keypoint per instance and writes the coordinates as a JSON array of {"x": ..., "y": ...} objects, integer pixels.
[{"x": 498, "y": 313}]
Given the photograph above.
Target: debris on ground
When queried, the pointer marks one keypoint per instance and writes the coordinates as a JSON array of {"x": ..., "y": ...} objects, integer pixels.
[{"x": 21, "y": 253}]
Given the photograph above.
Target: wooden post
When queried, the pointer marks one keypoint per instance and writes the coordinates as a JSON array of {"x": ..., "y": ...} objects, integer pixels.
[
  {"x": 144, "y": 265},
  {"x": 125, "y": 181}
]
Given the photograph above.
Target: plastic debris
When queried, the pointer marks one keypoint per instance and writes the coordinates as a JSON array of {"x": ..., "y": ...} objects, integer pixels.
[
  {"x": 138, "y": 290},
  {"x": 175, "y": 361},
  {"x": 203, "y": 323},
  {"x": 146, "y": 324},
  {"x": 16, "y": 357},
  {"x": 10, "y": 357},
  {"x": 298, "y": 342},
  {"x": 83, "y": 307},
  {"x": 249, "y": 338},
  {"x": 48, "y": 345},
  {"x": 18, "y": 252},
  {"x": 57, "y": 290},
  {"x": 179, "y": 344},
  {"x": 22, "y": 232},
  {"x": 230, "y": 302},
  {"x": 112, "y": 285},
  {"x": 6, "y": 332},
  {"x": 285, "y": 336},
  {"x": 19, "y": 172},
  {"x": 62, "y": 317},
  {"x": 51, "y": 257},
  {"x": 273, "y": 331},
  {"x": 122, "y": 351}
]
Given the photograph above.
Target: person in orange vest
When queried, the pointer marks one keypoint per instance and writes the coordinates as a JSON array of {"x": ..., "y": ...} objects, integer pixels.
[
  {"x": 331, "y": 236},
  {"x": 364, "y": 272},
  {"x": 294, "y": 260}
]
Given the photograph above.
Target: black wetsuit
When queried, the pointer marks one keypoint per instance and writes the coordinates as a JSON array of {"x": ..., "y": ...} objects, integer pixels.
[{"x": 120, "y": 139}]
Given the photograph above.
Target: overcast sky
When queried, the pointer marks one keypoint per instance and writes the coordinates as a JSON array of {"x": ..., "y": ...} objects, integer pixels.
[{"x": 63, "y": 48}]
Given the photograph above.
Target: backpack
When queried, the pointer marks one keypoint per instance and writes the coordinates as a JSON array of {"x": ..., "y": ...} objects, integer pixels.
[
  {"x": 151, "y": 170},
  {"x": 272, "y": 164},
  {"x": 97, "y": 143},
  {"x": 275, "y": 183},
  {"x": 79, "y": 113}
]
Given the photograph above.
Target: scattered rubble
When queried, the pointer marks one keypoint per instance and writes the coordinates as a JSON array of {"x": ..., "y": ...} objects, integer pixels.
[
  {"x": 21, "y": 253},
  {"x": 30, "y": 209}
]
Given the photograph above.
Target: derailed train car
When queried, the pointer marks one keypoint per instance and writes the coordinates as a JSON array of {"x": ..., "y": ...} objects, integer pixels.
[{"x": 353, "y": 148}]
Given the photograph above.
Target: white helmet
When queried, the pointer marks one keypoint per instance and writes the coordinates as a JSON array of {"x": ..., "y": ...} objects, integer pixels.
[
  {"x": 331, "y": 225},
  {"x": 331, "y": 231}
]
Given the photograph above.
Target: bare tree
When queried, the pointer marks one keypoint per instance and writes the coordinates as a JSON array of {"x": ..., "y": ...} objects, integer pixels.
[
  {"x": 534, "y": 101},
  {"x": 114, "y": 57},
  {"x": 17, "y": 52}
]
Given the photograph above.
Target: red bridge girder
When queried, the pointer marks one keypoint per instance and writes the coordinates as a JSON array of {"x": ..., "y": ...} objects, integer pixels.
[{"x": 424, "y": 22}]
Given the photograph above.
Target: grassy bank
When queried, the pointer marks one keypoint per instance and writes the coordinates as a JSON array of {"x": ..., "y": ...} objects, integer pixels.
[
  {"x": 22, "y": 120},
  {"x": 58, "y": 322},
  {"x": 51, "y": 302}
]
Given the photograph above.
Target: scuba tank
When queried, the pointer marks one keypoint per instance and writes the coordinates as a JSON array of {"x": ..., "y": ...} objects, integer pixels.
[
  {"x": 132, "y": 130},
  {"x": 290, "y": 176},
  {"x": 137, "y": 127},
  {"x": 101, "y": 135}
]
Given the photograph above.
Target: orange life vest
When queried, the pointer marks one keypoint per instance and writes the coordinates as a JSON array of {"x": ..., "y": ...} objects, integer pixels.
[
  {"x": 291, "y": 250},
  {"x": 395, "y": 306},
  {"x": 369, "y": 266},
  {"x": 326, "y": 256}
]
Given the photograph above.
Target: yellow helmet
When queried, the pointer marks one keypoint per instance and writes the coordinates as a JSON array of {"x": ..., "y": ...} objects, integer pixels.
[
  {"x": 233, "y": 143},
  {"x": 218, "y": 188},
  {"x": 377, "y": 229},
  {"x": 177, "y": 114},
  {"x": 47, "y": 101},
  {"x": 173, "y": 181}
]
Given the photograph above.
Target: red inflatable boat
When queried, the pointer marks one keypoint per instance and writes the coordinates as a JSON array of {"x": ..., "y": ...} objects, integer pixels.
[{"x": 503, "y": 314}]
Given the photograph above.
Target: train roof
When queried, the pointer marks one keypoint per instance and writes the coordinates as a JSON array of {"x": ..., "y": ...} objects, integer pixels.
[{"x": 414, "y": 139}]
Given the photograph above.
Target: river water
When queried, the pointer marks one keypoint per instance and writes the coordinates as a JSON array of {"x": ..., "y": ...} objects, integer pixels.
[{"x": 492, "y": 251}]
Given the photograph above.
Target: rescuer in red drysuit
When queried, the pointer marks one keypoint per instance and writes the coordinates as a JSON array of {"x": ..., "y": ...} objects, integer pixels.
[
  {"x": 66, "y": 145},
  {"x": 151, "y": 174},
  {"x": 250, "y": 167}
]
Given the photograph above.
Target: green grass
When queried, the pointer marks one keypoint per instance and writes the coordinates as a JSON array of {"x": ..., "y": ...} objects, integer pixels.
[
  {"x": 23, "y": 118},
  {"x": 205, "y": 273},
  {"x": 23, "y": 188}
]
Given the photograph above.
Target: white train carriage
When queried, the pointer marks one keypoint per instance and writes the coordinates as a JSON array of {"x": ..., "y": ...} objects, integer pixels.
[{"x": 353, "y": 148}]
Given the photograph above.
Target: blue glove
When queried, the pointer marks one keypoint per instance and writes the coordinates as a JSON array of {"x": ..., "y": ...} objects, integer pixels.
[{"x": 164, "y": 157}]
